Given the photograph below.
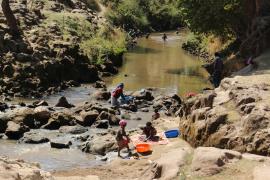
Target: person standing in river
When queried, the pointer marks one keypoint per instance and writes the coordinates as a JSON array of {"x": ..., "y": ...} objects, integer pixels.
[
  {"x": 164, "y": 37},
  {"x": 218, "y": 69},
  {"x": 118, "y": 92}
]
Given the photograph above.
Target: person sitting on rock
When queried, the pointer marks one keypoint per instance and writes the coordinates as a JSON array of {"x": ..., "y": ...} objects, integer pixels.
[
  {"x": 122, "y": 137},
  {"x": 150, "y": 132},
  {"x": 116, "y": 94},
  {"x": 156, "y": 115}
]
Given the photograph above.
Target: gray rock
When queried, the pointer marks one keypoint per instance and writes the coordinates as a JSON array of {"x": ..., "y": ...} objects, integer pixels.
[
  {"x": 99, "y": 145},
  {"x": 102, "y": 124},
  {"x": 62, "y": 102},
  {"x": 15, "y": 131},
  {"x": 33, "y": 138},
  {"x": 88, "y": 118},
  {"x": 60, "y": 144},
  {"x": 73, "y": 129}
]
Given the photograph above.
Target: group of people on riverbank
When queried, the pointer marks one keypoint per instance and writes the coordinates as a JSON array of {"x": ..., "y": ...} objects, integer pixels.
[
  {"x": 149, "y": 131},
  {"x": 122, "y": 137}
]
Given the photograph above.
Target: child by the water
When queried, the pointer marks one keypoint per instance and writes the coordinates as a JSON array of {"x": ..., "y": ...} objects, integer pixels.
[
  {"x": 122, "y": 137},
  {"x": 156, "y": 115}
]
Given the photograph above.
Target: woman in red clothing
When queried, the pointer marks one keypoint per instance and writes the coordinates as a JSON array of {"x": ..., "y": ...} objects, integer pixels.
[{"x": 118, "y": 92}]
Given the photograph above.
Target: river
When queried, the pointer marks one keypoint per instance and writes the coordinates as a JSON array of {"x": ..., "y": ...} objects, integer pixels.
[{"x": 152, "y": 63}]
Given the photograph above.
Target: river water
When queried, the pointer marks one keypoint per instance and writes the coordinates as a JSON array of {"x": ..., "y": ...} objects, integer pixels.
[{"x": 152, "y": 63}]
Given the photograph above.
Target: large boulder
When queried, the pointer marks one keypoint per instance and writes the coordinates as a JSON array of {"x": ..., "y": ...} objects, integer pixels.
[
  {"x": 208, "y": 161},
  {"x": 143, "y": 94},
  {"x": 87, "y": 118},
  {"x": 15, "y": 131},
  {"x": 3, "y": 122},
  {"x": 59, "y": 119},
  {"x": 19, "y": 170},
  {"x": 113, "y": 119},
  {"x": 167, "y": 166},
  {"x": 33, "y": 138},
  {"x": 62, "y": 102},
  {"x": 101, "y": 95},
  {"x": 3, "y": 106},
  {"x": 99, "y": 145},
  {"x": 102, "y": 124},
  {"x": 42, "y": 114},
  {"x": 24, "y": 115}
]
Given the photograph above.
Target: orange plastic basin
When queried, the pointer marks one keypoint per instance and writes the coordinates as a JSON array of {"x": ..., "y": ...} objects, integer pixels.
[{"x": 142, "y": 148}]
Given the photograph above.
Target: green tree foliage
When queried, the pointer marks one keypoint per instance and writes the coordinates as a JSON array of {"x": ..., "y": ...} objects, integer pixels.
[
  {"x": 145, "y": 15},
  {"x": 128, "y": 14},
  {"x": 220, "y": 17}
]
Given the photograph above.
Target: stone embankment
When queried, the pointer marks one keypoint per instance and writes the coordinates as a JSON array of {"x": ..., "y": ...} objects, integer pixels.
[{"x": 234, "y": 116}]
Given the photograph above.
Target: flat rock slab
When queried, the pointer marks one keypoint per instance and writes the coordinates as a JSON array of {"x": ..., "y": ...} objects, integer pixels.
[
  {"x": 60, "y": 144},
  {"x": 78, "y": 178},
  {"x": 167, "y": 166},
  {"x": 208, "y": 161},
  {"x": 261, "y": 173},
  {"x": 73, "y": 129}
]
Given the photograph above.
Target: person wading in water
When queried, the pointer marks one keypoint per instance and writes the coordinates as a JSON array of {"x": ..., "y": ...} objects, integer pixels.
[{"x": 164, "y": 37}]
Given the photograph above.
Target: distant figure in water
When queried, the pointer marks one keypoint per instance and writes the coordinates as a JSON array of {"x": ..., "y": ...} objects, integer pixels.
[
  {"x": 218, "y": 69},
  {"x": 164, "y": 37},
  {"x": 147, "y": 35},
  {"x": 118, "y": 92}
]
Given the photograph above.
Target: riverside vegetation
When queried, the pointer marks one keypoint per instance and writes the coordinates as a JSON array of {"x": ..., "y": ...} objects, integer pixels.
[{"x": 57, "y": 44}]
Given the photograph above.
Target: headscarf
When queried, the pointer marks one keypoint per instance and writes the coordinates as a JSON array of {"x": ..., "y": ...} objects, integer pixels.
[
  {"x": 121, "y": 85},
  {"x": 123, "y": 123}
]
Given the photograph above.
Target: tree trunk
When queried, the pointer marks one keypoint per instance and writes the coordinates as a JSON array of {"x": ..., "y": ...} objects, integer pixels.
[{"x": 11, "y": 20}]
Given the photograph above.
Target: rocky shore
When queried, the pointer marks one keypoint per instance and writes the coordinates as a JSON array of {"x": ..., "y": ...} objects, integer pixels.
[
  {"x": 24, "y": 122},
  {"x": 233, "y": 116}
]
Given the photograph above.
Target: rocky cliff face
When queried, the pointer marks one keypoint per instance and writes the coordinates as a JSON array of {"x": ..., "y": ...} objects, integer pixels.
[
  {"x": 235, "y": 116},
  {"x": 258, "y": 34}
]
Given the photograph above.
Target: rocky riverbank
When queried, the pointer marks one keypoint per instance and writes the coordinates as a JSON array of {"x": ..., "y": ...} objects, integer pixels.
[
  {"x": 178, "y": 160},
  {"x": 233, "y": 116},
  {"x": 89, "y": 126},
  {"x": 52, "y": 53}
]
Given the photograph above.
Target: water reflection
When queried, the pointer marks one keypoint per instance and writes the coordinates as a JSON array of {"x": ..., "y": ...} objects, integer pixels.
[{"x": 154, "y": 63}]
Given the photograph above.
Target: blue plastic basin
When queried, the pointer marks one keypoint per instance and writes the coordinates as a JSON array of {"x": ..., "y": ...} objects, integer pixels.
[{"x": 172, "y": 133}]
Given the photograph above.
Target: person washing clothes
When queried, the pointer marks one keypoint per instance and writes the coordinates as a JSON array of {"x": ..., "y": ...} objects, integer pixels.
[
  {"x": 118, "y": 92},
  {"x": 122, "y": 138},
  {"x": 150, "y": 132}
]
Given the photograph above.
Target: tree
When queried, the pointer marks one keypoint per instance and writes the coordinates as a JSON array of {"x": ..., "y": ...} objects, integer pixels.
[
  {"x": 11, "y": 20},
  {"x": 222, "y": 17}
]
